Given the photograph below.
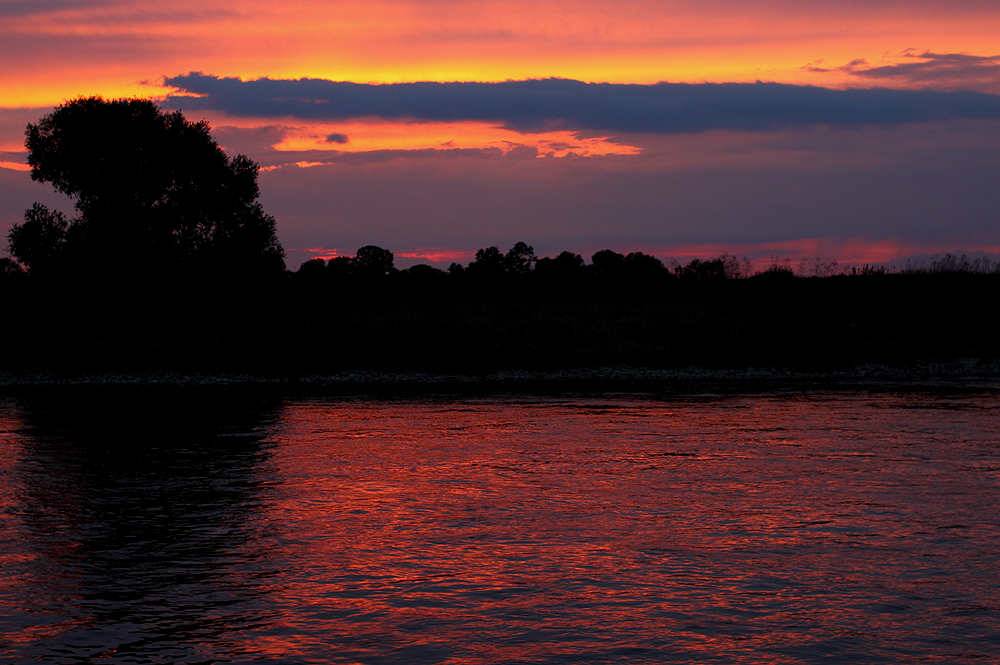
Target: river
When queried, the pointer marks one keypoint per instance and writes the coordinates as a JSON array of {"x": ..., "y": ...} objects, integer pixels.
[{"x": 217, "y": 526}]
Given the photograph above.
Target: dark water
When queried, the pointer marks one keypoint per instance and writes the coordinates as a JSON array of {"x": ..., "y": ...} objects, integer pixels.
[{"x": 188, "y": 527}]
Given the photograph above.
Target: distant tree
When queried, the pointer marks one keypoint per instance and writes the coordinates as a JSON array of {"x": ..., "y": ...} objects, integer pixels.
[
  {"x": 714, "y": 269},
  {"x": 152, "y": 191},
  {"x": 489, "y": 255},
  {"x": 520, "y": 259},
  {"x": 607, "y": 263},
  {"x": 734, "y": 267},
  {"x": 643, "y": 266},
  {"x": 724, "y": 266},
  {"x": 422, "y": 273},
  {"x": 565, "y": 266},
  {"x": 489, "y": 263},
  {"x": 425, "y": 269},
  {"x": 313, "y": 269},
  {"x": 373, "y": 261},
  {"x": 570, "y": 260},
  {"x": 340, "y": 267}
]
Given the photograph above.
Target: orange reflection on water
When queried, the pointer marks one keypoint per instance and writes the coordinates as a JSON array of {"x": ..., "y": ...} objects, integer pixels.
[
  {"x": 746, "y": 528},
  {"x": 704, "y": 526}
]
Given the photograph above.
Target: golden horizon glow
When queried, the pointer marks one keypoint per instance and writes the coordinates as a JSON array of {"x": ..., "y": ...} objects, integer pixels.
[{"x": 119, "y": 49}]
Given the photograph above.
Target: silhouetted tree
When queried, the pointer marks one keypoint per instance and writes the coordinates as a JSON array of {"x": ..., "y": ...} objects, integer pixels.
[
  {"x": 39, "y": 241},
  {"x": 565, "y": 266},
  {"x": 734, "y": 267},
  {"x": 313, "y": 269},
  {"x": 714, "y": 269},
  {"x": 570, "y": 260},
  {"x": 153, "y": 191},
  {"x": 607, "y": 263},
  {"x": 489, "y": 263},
  {"x": 643, "y": 266},
  {"x": 423, "y": 274},
  {"x": 724, "y": 266},
  {"x": 520, "y": 259},
  {"x": 340, "y": 267},
  {"x": 373, "y": 261}
]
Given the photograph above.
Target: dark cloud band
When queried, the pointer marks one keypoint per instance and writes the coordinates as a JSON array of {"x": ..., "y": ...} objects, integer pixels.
[{"x": 566, "y": 104}]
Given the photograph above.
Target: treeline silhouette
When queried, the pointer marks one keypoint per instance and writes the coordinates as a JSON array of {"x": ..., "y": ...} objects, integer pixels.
[
  {"x": 520, "y": 264},
  {"x": 170, "y": 263},
  {"x": 507, "y": 310}
]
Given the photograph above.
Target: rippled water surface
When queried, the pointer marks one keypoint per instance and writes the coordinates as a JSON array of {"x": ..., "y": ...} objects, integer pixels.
[{"x": 818, "y": 527}]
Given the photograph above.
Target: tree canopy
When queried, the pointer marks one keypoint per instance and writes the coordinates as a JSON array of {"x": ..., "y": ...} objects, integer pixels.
[
  {"x": 152, "y": 190},
  {"x": 374, "y": 260}
]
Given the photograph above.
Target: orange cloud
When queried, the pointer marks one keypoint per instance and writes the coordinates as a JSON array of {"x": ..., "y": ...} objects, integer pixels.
[
  {"x": 310, "y": 141},
  {"x": 116, "y": 48},
  {"x": 400, "y": 135}
]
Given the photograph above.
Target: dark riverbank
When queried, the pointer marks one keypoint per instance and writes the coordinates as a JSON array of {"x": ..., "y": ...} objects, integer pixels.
[
  {"x": 808, "y": 326},
  {"x": 957, "y": 377}
]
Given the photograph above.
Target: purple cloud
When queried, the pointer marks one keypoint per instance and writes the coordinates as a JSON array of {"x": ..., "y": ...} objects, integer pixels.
[
  {"x": 944, "y": 71},
  {"x": 547, "y": 104}
]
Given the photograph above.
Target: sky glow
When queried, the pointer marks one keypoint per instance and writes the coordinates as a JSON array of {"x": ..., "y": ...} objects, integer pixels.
[{"x": 883, "y": 138}]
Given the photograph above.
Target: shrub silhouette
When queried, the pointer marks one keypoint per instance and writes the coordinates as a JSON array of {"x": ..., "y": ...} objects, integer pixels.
[
  {"x": 776, "y": 270},
  {"x": 153, "y": 192},
  {"x": 869, "y": 271},
  {"x": 954, "y": 264}
]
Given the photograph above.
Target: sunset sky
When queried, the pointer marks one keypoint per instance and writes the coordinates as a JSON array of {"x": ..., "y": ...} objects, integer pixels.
[{"x": 854, "y": 130}]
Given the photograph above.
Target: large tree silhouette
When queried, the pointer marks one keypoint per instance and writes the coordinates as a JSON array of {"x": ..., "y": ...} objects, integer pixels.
[{"x": 153, "y": 191}]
